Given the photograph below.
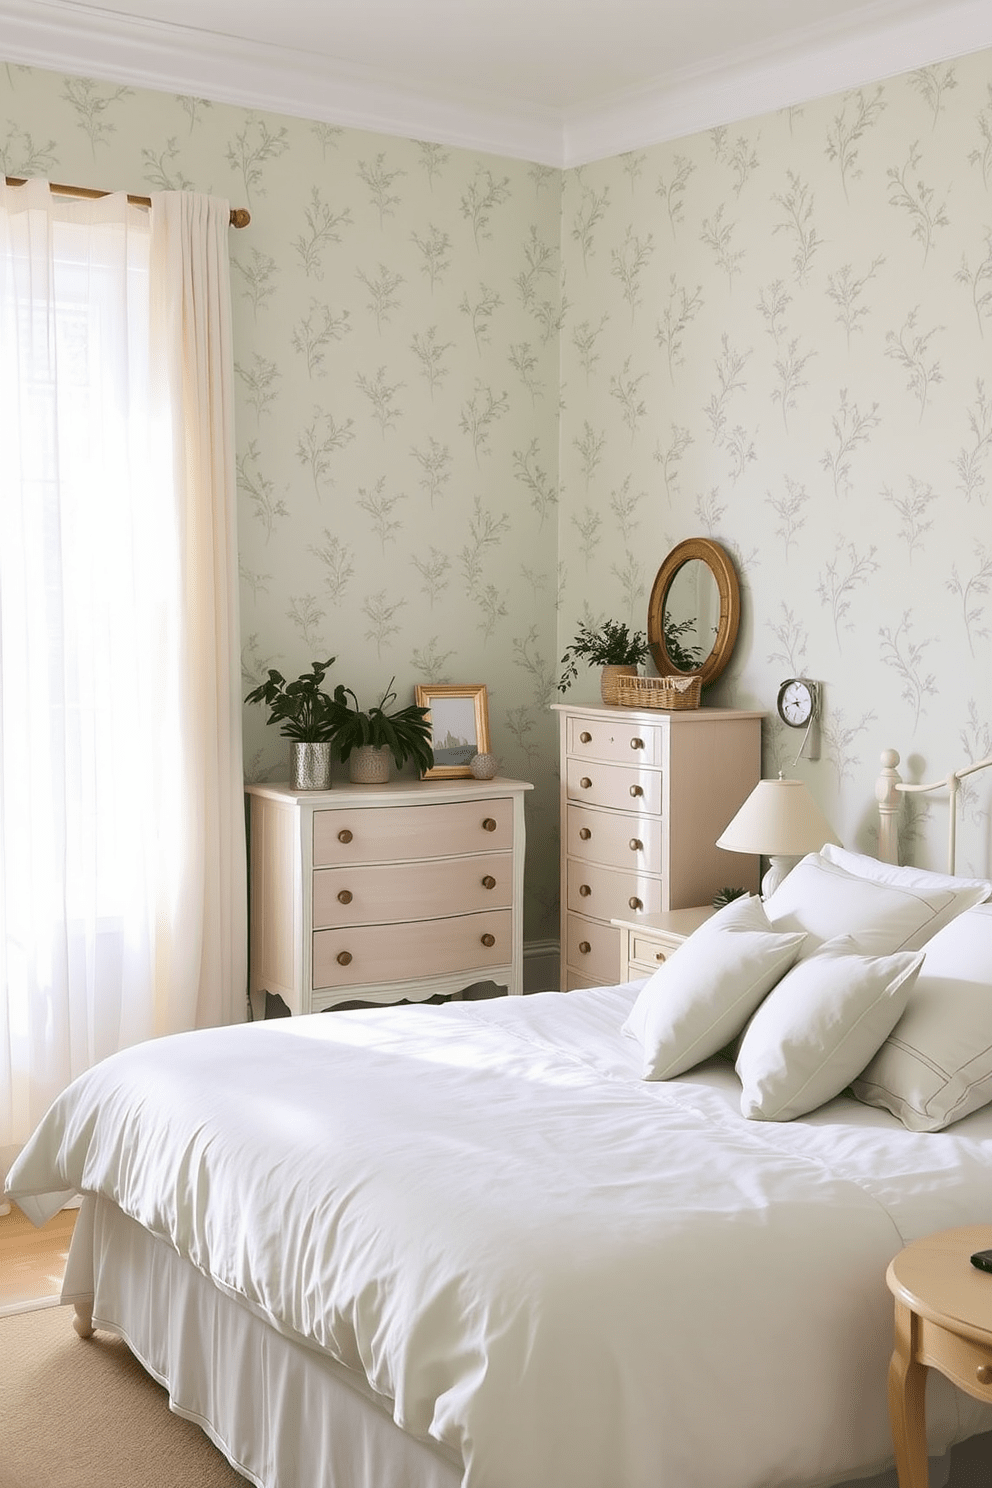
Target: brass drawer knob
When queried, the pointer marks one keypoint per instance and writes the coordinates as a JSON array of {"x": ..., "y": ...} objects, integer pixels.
[
  {"x": 489, "y": 824},
  {"x": 345, "y": 896},
  {"x": 344, "y": 958},
  {"x": 585, "y": 782},
  {"x": 637, "y": 743},
  {"x": 585, "y": 738},
  {"x": 488, "y": 882},
  {"x": 636, "y": 790},
  {"x": 488, "y": 940},
  {"x": 636, "y": 845},
  {"x": 344, "y": 836},
  {"x": 584, "y": 834},
  {"x": 660, "y": 955},
  {"x": 584, "y": 947},
  {"x": 585, "y": 890},
  {"x": 983, "y": 1374},
  {"x": 635, "y": 903}
]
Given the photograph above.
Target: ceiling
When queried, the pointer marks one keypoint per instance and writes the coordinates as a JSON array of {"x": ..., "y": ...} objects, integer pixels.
[{"x": 562, "y": 82}]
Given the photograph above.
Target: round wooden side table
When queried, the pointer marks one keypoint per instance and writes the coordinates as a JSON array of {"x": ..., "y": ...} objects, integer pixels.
[{"x": 943, "y": 1320}]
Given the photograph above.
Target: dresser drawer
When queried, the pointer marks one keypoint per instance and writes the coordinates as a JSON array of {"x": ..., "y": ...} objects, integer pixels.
[
  {"x": 606, "y": 893},
  {"x": 403, "y": 833},
  {"x": 593, "y": 949},
  {"x": 366, "y": 954},
  {"x": 369, "y": 894},
  {"x": 616, "y": 740},
  {"x": 601, "y": 837},
  {"x": 621, "y": 788},
  {"x": 646, "y": 954}
]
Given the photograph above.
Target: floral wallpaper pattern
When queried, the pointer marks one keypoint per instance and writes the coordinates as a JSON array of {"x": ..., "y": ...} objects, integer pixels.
[
  {"x": 480, "y": 400},
  {"x": 778, "y": 334},
  {"x": 396, "y": 321}
]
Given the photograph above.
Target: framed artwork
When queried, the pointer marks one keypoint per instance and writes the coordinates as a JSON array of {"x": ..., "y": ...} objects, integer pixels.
[{"x": 459, "y": 720}]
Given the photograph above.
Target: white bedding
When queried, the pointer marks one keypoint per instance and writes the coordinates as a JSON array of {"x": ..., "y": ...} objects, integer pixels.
[{"x": 562, "y": 1273}]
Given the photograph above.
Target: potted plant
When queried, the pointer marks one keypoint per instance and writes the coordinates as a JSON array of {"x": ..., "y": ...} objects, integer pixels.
[
  {"x": 367, "y": 739},
  {"x": 610, "y": 646},
  {"x": 307, "y": 715}
]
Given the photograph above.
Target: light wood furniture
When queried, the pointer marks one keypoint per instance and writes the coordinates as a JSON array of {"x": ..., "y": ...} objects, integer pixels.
[
  {"x": 644, "y": 796},
  {"x": 382, "y": 893},
  {"x": 650, "y": 939},
  {"x": 943, "y": 1320}
]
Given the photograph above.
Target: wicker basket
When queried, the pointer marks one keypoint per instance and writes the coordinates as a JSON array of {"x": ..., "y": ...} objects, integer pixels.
[{"x": 670, "y": 693}]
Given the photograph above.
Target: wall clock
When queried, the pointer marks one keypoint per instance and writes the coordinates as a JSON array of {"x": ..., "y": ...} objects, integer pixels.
[
  {"x": 797, "y": 701},
  {"x": 799, "y": 707}
]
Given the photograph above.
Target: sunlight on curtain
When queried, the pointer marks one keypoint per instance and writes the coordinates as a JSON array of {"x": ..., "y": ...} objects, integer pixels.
[{"x": 121, "y": 820}]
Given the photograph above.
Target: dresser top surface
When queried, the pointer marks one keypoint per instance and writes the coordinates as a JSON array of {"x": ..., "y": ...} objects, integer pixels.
[
  {"x": 392, "y": 793},
  {"x": 680, "y": 716}
]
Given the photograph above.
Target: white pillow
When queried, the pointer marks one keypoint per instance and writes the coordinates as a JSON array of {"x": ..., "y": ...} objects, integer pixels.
[
  {"x": 965, "y": 892},
  {"x": 818, "y": 1028},
  {"x": 936, "y": 1064},
  {"x": 701, "y": 997},
  {"x": 824, "y": 900}
]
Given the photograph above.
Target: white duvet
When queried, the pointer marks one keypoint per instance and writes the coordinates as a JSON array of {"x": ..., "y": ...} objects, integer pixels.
[{"x": 568, "y": 1277}]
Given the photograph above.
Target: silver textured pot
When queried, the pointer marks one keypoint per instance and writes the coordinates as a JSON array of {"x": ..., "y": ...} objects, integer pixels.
[{"x": 310, "y": 767}]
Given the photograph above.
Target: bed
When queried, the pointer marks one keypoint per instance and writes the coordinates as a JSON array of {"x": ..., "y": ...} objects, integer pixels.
[{"x": 631, "y": 1237}]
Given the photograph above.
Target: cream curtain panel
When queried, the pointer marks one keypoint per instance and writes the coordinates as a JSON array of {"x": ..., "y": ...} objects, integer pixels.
[{"x": 122, "y": 852}]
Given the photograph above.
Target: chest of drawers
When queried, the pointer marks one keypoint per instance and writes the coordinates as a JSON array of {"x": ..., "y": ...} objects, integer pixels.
[
  {"x": 377, "y": 894},
  {"x": 644, "y": 796}
]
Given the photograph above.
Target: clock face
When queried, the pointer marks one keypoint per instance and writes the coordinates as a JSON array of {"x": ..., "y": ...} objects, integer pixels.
[{"x": 795, "y": 702}]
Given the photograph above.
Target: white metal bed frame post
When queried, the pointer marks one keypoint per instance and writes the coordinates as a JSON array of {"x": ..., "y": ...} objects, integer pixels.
[{"x": 887, "y": 791}]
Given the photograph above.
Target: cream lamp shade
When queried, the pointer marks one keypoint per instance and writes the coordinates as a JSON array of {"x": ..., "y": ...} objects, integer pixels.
[{"x": 780, "y": 821}]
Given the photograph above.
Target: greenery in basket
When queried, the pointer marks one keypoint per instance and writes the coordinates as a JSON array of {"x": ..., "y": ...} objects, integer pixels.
[
  {"x": 304, "y": 709},
  {"x": 405, "y": 732},
  {"x": 609, "y": 644}
]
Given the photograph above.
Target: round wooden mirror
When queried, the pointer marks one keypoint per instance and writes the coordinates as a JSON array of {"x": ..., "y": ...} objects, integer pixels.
[{"x": 694, "y": 611}]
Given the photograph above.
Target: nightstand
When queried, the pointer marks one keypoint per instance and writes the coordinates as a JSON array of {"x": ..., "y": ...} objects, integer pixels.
[
  {"x": 943, "y": 1320},
  {"x": 650, "y": 939}
]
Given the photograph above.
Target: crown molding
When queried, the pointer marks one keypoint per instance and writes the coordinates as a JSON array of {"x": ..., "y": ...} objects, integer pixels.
[
  {"x": 809, "y": 66},
  {"x": 61, "y": 37}
]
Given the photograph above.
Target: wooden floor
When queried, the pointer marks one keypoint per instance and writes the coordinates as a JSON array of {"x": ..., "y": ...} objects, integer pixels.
[{"x": 32, "y": 1261}]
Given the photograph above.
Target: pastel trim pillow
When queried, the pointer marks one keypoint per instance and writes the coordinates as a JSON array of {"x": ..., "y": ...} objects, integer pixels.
[
  {"x": 702, "y": 996},
  {"x": 819, "y": 1027},
  {"x": 824, "y": 900},
  {"x": 964, "y": 892},
  {"x": 936, "y": 1065}
]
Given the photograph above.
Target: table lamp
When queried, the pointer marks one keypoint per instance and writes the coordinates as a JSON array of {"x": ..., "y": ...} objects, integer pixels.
[{"x": 780, "y": 821}]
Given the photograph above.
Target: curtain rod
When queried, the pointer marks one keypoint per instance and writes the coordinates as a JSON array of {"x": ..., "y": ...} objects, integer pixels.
[{"x": 240, "y": 216}]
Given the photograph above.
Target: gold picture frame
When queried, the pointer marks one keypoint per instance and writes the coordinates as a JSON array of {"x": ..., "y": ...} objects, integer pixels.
[{"x": 459, "y": 719}]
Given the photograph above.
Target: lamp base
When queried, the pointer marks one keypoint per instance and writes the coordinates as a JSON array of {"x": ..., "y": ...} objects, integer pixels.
[{"x": 779, "y": 866}]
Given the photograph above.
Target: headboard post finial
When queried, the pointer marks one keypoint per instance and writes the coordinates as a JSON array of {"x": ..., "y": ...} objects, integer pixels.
[{"x": 889, "y": 803}]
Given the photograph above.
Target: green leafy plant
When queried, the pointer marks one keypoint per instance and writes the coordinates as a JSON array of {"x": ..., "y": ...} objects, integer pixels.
[
  {"x": 682, "y": 656},
  {"x": 609, "y": 644},
  {"x": 305, "y": 711},
  {"x": 404, "y": 732},
  {"x": 726, "y": 896}
]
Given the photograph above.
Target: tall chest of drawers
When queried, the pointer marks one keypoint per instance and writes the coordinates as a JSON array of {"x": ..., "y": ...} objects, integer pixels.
[
  {"x": 383, "y": 893},
  {"x": 644, "y": 796}
]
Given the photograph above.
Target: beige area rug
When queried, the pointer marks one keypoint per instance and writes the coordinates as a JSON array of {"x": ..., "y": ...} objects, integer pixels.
[{"x": 82, "y": 1413}]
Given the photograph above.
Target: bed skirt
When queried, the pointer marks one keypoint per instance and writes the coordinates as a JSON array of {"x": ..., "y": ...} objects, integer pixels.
[{"x": 282, "y": 1413}]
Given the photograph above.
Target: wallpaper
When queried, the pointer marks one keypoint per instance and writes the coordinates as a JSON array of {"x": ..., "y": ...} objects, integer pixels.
[
  {"x": 779, "y": 335},
  {"x": 396, "y": 319},
  {"x": 480, "y": 400}
]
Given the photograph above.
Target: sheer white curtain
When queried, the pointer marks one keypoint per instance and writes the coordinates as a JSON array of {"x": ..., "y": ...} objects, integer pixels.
[{"x": 122, "y": 856}]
